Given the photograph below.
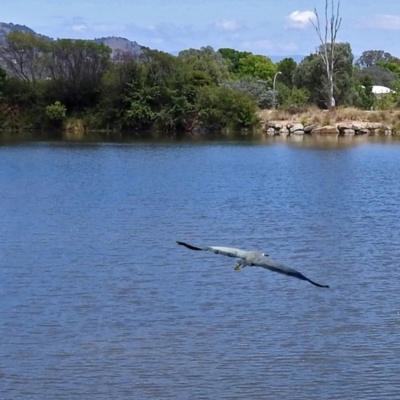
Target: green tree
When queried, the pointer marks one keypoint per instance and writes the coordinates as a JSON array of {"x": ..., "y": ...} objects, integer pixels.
[
  {"x": 364, "y": 89},
  {"x": 256, "y": 67},
  {"x": 223, "y": 107},
  {"x": 310, "y": 75},
  {"x": 233, "y": 58},
  {"x": 370, "y": 58},
  {"x": 390, "y": 66},
  {"x": 206, "y": 60},
  {"x": 160, "y": 93},
  {"x": 379, "y": 75},
  {"x": 327, "y": 49},
  {"x": 287, "y": 67},
  {"x": 24, "y": 56},
  {"x": 76, "y": 68},
  {"x": 295, "y": 100},
  {"x": 3, "y": 76},
  {"x": 258, "y": 89}
]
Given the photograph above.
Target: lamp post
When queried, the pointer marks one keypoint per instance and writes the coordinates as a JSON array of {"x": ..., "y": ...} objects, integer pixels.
[{"x": 273, "y": 88}]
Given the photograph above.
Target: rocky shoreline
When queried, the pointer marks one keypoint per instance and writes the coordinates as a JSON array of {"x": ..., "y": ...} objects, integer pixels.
[{"x": 285, "y": 129}]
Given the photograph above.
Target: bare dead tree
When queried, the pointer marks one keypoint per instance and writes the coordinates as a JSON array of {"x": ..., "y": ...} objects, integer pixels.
[{"x": 328, "y": 42}]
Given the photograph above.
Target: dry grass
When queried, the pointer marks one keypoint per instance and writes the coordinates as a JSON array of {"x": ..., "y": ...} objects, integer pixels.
[
  {"x": 316, "y": 116},
  {"x": 74, "y": 129}
]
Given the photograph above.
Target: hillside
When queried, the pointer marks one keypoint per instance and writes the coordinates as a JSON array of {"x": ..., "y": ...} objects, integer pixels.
[
  {"x": 5, "y": 29},
  {"x": 117, "y": 44}
]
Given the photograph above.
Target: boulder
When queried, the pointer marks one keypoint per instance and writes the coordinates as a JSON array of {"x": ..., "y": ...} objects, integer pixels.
[
  {"x": 347, "y": 132},
  {"x": 343, "y": 125},
  {"x": 325, "y": 130},
  {"x": 270, "y": 131},
  {"x": 357, "y": 127},
  {"x": 296, "y": 127},
  {"x": 309, "y": 128},
  {"x": 373, "y": 125},
  {"x": 284, "y": 131},
  {"x": 363, "y": 131}
]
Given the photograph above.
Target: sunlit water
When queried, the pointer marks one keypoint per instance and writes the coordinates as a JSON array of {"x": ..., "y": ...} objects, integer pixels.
[{"x": 97, "y": 300}]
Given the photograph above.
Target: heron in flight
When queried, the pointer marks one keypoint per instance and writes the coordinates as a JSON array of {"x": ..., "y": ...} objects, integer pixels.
[{"x": 253, "y": 259}]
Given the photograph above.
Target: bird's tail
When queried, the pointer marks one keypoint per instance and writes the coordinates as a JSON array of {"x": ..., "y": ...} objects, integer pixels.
[
  {"x": 189, "y": 246},
  {"x": 317, "y": 284}
]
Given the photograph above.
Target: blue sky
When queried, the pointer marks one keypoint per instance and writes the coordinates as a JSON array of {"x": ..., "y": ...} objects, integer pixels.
[{"x": 269, "y": 27}]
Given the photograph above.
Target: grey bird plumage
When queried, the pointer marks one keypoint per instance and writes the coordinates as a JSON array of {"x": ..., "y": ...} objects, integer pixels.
[{"x": 253, "y": 259}]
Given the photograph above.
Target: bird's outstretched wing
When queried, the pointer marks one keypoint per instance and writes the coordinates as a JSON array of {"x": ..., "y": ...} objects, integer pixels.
[
  {"x": 274, "y": 266},
  {"x": 225, "y": 251}
]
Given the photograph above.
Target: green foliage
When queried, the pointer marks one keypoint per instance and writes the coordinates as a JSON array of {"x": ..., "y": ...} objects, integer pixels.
[
  {"x": 25, "y": 55},
  {"x": 310, "y": 74},
  {"x": 390, "y": 66},
  {"x": 206, "y": 60},
  {"x": 385, "y": 102},
  {"x": 370, "y": 58},
  {"x": 201, "y": 88},
  {"x": 233, "y": 58},
  {"x": 243, "y": 64},
  {"x": 297, "y": 100},
  {"x": 3, "y": 76},
  {"x": 22, "y": 100},
  {"x": 76, "y": 68},
  {"x": 166, "y": 94},
  {"x": 258, "y": 89},
  {"x": 256, "y": 67},
  {"x": 56, "y": 112},
  {"x": 283, "y": 93},
  {"x": 287, "y": 67},
  {"x": 364, "y": 89},
  {"x": 221, "y": 107},
  {"x": 379, "y": 75}
]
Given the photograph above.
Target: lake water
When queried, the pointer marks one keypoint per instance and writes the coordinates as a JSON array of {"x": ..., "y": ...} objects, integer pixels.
[{"x": 97, "y": 300}]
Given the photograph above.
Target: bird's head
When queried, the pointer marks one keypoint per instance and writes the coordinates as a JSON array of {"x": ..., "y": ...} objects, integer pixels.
[{"x": 264, "y": 254}]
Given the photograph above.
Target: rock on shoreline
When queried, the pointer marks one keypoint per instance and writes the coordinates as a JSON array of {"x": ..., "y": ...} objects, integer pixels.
[{"x": 277, "y": 128}]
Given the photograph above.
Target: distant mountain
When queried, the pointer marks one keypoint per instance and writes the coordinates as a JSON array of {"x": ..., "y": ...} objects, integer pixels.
[
  {"x": 118, "y": 45},
  {"x": 5, "y": 29}
]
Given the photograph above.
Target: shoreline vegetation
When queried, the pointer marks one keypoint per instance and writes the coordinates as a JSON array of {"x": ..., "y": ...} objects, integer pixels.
[
  {"x": 345, "y": 121},
  {"x": 73, "y": 89}
]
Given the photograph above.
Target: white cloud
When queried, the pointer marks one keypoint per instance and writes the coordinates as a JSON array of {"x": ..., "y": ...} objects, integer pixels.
[
  {"x": 78, "y": 28},
  {"x": 300, "y": 19},
  {"x": 386, "y": 21},
  {"x": 228, "y": 25}
]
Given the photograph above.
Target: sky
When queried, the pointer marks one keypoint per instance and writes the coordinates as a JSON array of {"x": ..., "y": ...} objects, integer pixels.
[{"x": 267, "y": 27}]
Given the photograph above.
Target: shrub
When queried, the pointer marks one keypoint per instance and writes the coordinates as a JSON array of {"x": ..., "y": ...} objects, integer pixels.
[
  {"x": 56, "y": 112},
  {"x": 222, "y": 107},
  {"x": 258, "y": 89}
]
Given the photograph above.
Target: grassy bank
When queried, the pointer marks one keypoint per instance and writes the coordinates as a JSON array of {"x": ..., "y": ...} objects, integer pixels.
[{"x": 316, "y": 116}]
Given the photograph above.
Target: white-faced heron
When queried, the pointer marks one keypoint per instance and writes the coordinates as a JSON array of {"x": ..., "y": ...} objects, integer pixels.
[{"x": 253, "y": 259}]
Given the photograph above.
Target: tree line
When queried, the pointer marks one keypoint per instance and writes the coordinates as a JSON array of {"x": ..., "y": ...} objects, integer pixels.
[{"x": 46, "y": 84}]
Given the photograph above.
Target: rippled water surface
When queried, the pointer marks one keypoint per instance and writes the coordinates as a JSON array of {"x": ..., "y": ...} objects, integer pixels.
[{"x": 97, "y": 300}]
